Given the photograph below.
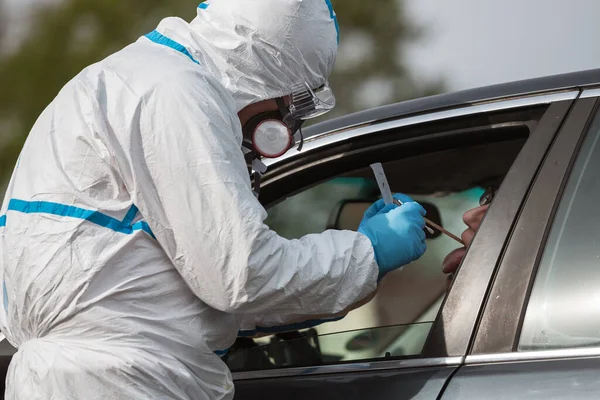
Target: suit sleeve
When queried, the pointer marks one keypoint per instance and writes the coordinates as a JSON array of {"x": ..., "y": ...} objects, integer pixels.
[{"x": 192, "y": 186}]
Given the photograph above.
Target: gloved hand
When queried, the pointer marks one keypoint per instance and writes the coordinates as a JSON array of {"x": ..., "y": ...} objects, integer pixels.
[
  {"x": 396, "y": 233},
  {"x": 380, "y": 207}
]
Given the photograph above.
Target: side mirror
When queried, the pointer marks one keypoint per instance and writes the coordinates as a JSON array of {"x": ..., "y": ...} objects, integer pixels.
[{"x": 348, "y": 213}]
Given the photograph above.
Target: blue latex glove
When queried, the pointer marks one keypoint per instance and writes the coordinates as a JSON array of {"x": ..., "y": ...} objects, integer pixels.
[
  {"x": 380, "y": 207},
  {"x": 396, "y": 233}
]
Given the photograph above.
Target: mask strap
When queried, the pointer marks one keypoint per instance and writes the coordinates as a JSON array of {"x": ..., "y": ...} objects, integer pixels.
[
  {"x": 259, "y": 169},
  {"x": 255, "y": 167},
  {"x": 301, "y": 139}
]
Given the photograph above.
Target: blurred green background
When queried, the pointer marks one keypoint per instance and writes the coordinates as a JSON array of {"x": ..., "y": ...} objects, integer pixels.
[{"x": 63, "y": 37}]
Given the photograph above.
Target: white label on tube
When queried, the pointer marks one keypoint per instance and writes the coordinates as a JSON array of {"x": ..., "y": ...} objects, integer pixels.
[{"x": 384, "y": 187}]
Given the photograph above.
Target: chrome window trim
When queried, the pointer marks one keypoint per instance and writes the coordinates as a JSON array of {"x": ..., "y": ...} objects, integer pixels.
[
  {"x": 587, "y": 93},
  {"x": 332, "y": 137},
  {"x": 534, "y": 355},
  {"x": 353, "y": 367}
]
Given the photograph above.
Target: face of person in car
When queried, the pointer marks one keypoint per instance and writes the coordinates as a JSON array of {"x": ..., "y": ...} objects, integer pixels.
[{"x": 472, "y": 219}]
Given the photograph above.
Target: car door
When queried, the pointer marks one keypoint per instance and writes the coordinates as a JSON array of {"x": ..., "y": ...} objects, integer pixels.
[
  {"x": 510, "y": 137},
  {"x": 539, "y": 335}
]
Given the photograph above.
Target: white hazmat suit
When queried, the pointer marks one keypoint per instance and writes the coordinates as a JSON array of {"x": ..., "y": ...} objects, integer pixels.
[{"x": 132, "y": 249}]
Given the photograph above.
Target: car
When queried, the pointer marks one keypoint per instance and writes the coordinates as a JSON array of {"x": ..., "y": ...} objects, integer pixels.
[{"x": 520, "y": 316}]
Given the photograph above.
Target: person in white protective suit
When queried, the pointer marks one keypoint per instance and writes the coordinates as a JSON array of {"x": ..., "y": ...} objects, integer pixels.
[{"x": 132, "y": 247}]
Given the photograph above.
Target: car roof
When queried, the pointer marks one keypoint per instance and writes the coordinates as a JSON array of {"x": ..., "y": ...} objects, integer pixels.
[{"x": 459, "y": 98}]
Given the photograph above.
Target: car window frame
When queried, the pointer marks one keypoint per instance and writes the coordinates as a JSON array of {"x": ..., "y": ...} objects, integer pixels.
[
  {"x": 455, "y": 326},
  {"x": 499, "y": 329},
  {"x": 557, "y": 105}
]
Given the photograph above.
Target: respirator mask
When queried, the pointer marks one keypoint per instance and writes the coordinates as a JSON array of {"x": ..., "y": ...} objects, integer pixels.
[{"x": 271, "y": 134}]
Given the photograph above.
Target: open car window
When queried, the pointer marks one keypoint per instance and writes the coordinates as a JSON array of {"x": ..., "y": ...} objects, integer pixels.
[
  {"x": 447, "y": 172},
  {"x": 397, "y": 321}
]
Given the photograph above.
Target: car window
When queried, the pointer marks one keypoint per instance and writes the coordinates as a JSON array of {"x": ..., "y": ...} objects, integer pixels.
[
  {"x": 564, "y": 306},
  {"x": 407, "y": 299},
  {"x": 446, "y": 176},
  {"x": 397, "y": 321},
  {"x": 308, "y": 211}
]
